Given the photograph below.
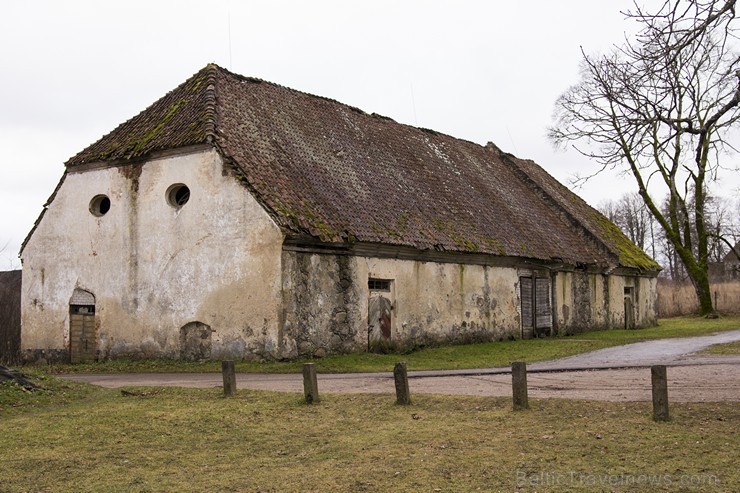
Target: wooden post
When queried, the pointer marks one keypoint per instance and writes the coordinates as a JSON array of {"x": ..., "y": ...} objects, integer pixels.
[
  {"x": 310, "y": 384},
  {"x": 519, "y": 385},
  {"x": 660, "y": 393},
  {"x": 227, "y": 369},
  {"x": 400, "y": 375}
]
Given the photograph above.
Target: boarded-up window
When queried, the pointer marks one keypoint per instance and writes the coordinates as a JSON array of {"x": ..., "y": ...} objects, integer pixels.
[{"x": 536, "y": 311}]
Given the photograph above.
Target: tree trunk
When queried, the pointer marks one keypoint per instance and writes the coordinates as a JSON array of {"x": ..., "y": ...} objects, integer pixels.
[
  {"x": 700, "y": 281},
  {"x": 704, "y": 293}
]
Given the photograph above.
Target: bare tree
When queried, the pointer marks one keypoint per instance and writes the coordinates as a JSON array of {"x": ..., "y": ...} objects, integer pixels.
[
  {"x": 662, "y": 107},
  {"x": 632, "y": 216},
  {"x": 722, "y": 227}
]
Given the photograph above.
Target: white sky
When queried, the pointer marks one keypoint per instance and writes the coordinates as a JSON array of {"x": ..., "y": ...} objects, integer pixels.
[{"x": 479, "y": 70}]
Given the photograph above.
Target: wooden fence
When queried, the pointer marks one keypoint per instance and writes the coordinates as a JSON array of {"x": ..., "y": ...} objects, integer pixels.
[
  {"x": 10, "y": 316},
  {"x": 679, "y": 298}
]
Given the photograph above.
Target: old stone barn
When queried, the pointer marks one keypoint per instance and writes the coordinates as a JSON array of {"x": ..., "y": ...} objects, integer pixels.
[{"x": 236, "y": 218}]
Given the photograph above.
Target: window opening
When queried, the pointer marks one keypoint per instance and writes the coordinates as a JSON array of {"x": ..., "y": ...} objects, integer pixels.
[
  {"x": 178, "y": 195},
  {"x": 379, "y": 285},
  {"x": 99, "y": 205}
]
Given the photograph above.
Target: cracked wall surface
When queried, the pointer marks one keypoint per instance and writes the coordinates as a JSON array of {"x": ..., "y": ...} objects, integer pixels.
[
  {"x": 326, "y": 303},
  {"x": 152, "y": 267}
]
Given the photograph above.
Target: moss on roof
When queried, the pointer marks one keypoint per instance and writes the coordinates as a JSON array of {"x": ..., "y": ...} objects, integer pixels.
[
  {"x": 332, "y": 171},
  {"x": 178, "y": 119},
  {"x": 630, "y": 255}
]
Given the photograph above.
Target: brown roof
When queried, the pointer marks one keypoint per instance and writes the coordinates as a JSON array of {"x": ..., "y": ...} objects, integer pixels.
[{"x": 338, "y": 174}]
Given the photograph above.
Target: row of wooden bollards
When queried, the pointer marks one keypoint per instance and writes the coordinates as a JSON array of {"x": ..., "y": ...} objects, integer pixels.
[
  {"x": 311, "y": 385},
  {"x": 659, "y": 384},
  {"x": 403, "y": 396}
]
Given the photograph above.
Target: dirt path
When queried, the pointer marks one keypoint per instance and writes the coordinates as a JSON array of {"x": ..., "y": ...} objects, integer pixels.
[
  {"x": 687, "y": 383},
  {"x": 691, "y": 378}
]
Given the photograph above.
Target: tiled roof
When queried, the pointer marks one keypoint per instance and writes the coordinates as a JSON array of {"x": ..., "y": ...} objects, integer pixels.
[{"x": 336, "y": 173}]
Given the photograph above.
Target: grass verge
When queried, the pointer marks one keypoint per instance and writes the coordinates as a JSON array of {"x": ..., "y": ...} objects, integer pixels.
[
  {"x": 167, "y": 439},
  {"x": 483, "y": 355},
  {"x": 726, "y": 349}
]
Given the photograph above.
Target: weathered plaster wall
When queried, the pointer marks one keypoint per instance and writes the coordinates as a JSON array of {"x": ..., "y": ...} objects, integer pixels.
[
  {"x": 152, "y": 267},
  {"x": 587, "y": 301},
  {"x": 647, "y": 301},
  {"x": 322, "y": 305},
  {"x": 326, "y": 302}
]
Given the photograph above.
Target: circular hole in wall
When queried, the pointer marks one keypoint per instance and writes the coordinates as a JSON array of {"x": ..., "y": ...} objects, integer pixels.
[
  {"x": 178, "y": 195},
  {"x": 99, "y": 205}
]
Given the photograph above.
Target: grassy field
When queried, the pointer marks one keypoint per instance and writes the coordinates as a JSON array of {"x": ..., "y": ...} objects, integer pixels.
[
  {"x": 452, "y": 357},
  {"x": 73, "y": 437},
  {"x": 726, "y": 349}
]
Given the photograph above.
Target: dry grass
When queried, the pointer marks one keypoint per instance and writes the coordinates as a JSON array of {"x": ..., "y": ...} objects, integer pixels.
[
  {"x": 195, "y": 440},
  {"x": 678, "y": 299},
  {"x": 726, "y": 349}
]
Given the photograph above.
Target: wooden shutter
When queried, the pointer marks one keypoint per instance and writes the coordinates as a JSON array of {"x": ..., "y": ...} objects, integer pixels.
[
  {"x": 525, "y": 288},
  {"x": 542, "y": 303}
]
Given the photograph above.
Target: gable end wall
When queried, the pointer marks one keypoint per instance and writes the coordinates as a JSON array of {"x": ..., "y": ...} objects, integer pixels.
[{"x": 154, "y": 268}]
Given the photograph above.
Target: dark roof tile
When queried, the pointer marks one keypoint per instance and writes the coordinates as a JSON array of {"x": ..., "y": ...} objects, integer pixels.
[{"x": 334, "y": 172}]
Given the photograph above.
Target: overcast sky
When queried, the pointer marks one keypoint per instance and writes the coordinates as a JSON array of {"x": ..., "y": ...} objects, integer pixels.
[{"x": 478, "y": 70}]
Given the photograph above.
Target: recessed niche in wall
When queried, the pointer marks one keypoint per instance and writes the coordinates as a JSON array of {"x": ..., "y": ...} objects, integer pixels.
[
  {"x": 178, "y": 195},
  {"x": 99, "y": 205}
]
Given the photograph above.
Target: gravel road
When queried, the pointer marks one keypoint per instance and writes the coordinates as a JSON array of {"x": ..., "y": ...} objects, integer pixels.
[{"x": 614, "y": 374}]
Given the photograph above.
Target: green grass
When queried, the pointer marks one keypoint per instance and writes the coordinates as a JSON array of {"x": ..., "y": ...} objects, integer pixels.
[
  {"x": 483, "y": 355},
  {"x": 726, "y": 349},
  {"x": 52, "y": 392},
  {"x": 168, "y": 439}
]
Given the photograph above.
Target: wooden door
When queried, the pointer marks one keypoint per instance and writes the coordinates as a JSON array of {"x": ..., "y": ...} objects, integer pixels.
[
  {"x": 83, "y": 341},
  {"x": 378, "y": 323},
  {"x": 629, "y": 308},
  {"x": 536, "y": 307}
]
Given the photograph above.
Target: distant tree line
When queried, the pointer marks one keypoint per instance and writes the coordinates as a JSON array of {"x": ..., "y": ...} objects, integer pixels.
[{"x": 721, "y": 219}]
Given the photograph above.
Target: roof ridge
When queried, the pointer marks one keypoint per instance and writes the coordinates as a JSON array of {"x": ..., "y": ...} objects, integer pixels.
[
  {"x": 211, "y": 111},
  {"x": 258, "y": 80}
]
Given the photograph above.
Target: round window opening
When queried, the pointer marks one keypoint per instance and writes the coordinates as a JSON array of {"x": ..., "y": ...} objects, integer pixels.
[
  {"x": 99, "y": 205},
  {"x": 178, "y": 195}
]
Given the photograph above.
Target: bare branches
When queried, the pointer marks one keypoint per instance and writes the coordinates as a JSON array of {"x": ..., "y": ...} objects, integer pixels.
[
  {"x": 685, "y": 23},
  {"x": 662, "y": 105}
]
